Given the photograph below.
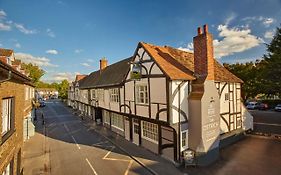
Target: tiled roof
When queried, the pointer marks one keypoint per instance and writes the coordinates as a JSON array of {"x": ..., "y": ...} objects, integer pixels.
[
  {"x": 79, "y": 77},
  {"x": 6, "y": 52},
  {"x": 112, "y": 75},
  {"x": 179, "y": 65}
]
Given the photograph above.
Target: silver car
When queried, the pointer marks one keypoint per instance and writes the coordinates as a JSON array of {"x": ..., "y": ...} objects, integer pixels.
[{"x": 277, "y": 107}]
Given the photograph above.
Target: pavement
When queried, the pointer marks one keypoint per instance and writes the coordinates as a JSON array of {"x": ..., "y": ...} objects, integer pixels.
[{"x": 69, "y": 145}]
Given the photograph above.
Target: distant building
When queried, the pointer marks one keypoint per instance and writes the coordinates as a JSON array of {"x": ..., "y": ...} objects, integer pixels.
[
  {"x": 168, "y": 100},
  {"x": 71, "y": 90},
  {"x": 16, "y": 112},
  {"x": 47, "y": 92}
]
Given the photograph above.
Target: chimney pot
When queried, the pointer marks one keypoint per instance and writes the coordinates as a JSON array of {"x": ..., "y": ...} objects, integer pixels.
[
  {"x": 205, "y": 28},
  {"x": 103, "y": 63},
  {"x": 199, "y": 30}
]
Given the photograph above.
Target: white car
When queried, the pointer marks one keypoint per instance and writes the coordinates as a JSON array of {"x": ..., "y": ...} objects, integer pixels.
[
  {"x": 277, "y": 107},
  {"x": 252, "y": 105}
]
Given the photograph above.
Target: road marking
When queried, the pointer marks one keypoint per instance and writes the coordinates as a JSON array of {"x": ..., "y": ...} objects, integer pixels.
[
  {"x": 101, "y": 144},
  {"x": 128, "y": 168},
  {"x": 107, "y": 158},
  {"x": 108, "y": 152},
  {"x": 91, "y": 167},
  {"x": 269, "y": 124},
  {"x": 76, "y": 142},
  {"x": 66, "y": 128}
]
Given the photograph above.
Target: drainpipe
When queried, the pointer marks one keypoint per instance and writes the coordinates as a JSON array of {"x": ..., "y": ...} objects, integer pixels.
[{"x": 7, "y": 79}]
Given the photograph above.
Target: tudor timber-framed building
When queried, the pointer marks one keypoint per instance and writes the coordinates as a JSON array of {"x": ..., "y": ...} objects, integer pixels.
[{"x": 153, "y": 111}]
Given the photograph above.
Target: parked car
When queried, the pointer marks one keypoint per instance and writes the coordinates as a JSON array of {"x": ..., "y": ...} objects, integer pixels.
[
  {"x": 42, "y": 103},
  {"x": 263, "y": 106},
  {"x": 277, "y": 107},
  {"x": 252, "y": 105}
]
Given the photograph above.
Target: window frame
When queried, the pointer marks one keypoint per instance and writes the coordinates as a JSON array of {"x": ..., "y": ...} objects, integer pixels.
[
  {"x": 10, "y": 117},
  {"x": 114, "y": 95},
  {"x": 117, "y": 121},
  {"x": 183, "y": 147},
  {"x": 150, "y": 129},
  {"x": 144, "y": 92},
  {"x": 9, "y": 168},
  {"x": 226, "y": 96}
]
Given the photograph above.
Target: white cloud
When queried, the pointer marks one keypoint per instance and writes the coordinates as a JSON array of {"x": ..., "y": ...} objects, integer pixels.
[
  {"x": 40, "y": 61},
  {"x": 24, "y": 30},
  {"x": 52, "y": 51},
  {"x": 50, "y": 33},
  {"x": 2, "y": 14},
  {"x": 269, "y": 34},
  {"x": 231, "y": 17},
  {"x": 78, "y": 50},
  {"x": 86, "y": 64},
  {"x": 90, "y": 60},
  {"x": 234, "y": 40},
  {"x": 5, "y": 27},
  {"x": 189, "y": 48},
  {"x": 60, "y": 76},
  {"x": 17, "y": 45},
  {"x": 266, "y": 21}
]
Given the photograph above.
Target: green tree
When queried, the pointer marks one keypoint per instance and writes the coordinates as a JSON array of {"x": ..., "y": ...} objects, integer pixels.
[
  {"x": 63, "y": 89},
  {"x": 34, "y": 71},
  {"x": 272, "y": 65},
  {"x": 250, "y": 73}
]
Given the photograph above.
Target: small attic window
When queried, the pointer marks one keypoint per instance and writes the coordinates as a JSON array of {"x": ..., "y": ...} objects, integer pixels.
[{"x": 226, "y": 96}]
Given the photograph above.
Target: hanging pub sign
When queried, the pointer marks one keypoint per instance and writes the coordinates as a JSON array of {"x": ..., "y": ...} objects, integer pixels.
[{"x": 135, "y": 71}]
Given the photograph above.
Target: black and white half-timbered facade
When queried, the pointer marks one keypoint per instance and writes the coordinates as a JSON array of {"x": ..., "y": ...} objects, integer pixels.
[{"x": 146, "y": 98}]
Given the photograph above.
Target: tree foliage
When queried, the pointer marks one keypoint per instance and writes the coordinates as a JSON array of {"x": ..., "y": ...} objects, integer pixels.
[
  {"x": 262, "y": 76},
  {"x": 63, "y": 89},
  {"x": 34, "y": 71}
]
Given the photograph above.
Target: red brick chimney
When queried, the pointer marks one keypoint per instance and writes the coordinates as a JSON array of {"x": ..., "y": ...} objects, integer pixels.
[
  {"x": 203, "y": 54},
  {"x": 103, "y": 64}
]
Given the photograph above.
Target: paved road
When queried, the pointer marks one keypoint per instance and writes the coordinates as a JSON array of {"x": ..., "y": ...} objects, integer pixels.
[
  {"x": 268, "y": 122},
  {"x": 73, "y": 149}
]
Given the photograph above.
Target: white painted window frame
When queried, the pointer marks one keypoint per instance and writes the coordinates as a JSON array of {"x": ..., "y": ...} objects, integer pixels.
[
  {"x": 117, "y": 121},
  {"x": 184, "y": 147},
  {"x": 144, "y": 92},
  {"x": 114, "y": 95},
  {"x": 149, "y": 129},
  {"x": 7, "y": 110}
]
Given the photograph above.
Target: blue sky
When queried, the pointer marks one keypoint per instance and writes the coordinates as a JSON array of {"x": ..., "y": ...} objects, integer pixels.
[{"x": 66, "y": 37}]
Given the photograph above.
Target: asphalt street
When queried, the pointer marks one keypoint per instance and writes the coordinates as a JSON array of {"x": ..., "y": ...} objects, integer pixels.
[
  {"x": 74, "y": 149},
  {"x": 267, "y": 122}
]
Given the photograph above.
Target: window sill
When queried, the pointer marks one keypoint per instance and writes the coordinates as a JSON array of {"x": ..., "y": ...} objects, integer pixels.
[
  {"x": 6, "y": 136},
  {"x": 116, "y": 127},
  {"x": 149, "y": 139},
  {"x": 142, "y": 104}
]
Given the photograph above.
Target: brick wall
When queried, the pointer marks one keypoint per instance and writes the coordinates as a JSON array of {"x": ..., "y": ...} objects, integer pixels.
[{"x": 10, "y": 148}]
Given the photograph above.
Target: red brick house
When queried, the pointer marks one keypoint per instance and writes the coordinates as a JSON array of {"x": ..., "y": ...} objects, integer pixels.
[{"x": 16, "y": 93}]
